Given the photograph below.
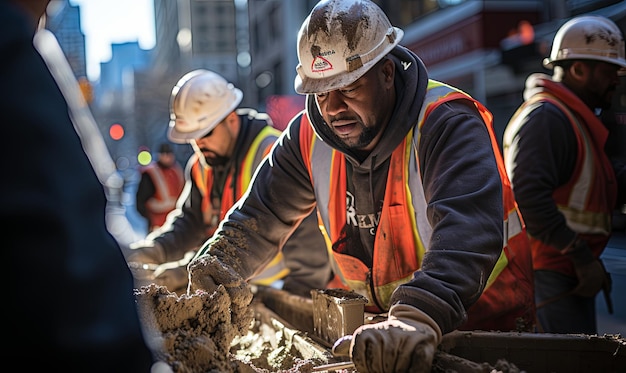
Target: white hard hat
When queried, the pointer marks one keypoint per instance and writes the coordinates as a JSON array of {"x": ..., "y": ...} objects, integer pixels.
[
  {"x": 339, "y": 42},
  {"x": 200, "y": 101},
  {"x": 588, "y": 38}
]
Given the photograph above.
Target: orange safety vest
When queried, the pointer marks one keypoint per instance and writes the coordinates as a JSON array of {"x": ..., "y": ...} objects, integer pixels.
[
  {"x": 168, "y": 184},
  {"x": 588, "y": 198},
  {"x": 203, "y": 177},
  {"x": 508, "y": 299}
]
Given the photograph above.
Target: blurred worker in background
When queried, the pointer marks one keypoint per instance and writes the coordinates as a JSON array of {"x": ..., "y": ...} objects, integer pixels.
[
  {"x": 229, "y": 144},
  {"x": 71, "y": 293},
  {"x": 161, "y": 183},
  {"x": 566, "y": 187},
  {"x": 409, "y": 183}
]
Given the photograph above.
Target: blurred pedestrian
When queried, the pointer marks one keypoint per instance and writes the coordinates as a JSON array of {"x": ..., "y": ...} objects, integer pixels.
[
  {"x": 409, "y": 183},
  {"x": 554, "y": 147},
  {"x": 161, "y": 183},
  {"x": 229, "y": 143},
  {"x": 71, "y": 293}
]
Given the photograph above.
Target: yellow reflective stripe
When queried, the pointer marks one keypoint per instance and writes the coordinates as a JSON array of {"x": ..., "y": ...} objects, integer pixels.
[
  {"x": 273, "y": 271},
  {"x": 409, "y": 196},
  {"x": 497, "y": 269},
  {"x": 385, "y": 291},
  {"x": 361, "y": 288},
  {"x": 248, "y": 169},
  {"x": 276, "y": 269}
]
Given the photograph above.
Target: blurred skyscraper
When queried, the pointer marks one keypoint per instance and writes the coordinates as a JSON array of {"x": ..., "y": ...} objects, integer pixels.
[{"x": 64, "y": 21}]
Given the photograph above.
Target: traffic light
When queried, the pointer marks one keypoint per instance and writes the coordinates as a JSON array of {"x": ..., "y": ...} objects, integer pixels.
[
  {"x": 116, "y": 131},
  {"x": 144, "y": 157}
]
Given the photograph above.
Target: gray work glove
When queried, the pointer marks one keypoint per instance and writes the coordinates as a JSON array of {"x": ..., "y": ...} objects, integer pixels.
[
  {"x": 147, "y": 261},
  {"x": 143, "y": 258},
  {"x": 592, "y": 277},
  {"x": 146, "y": 252},
  {"x": 174, "y": 279},
  {"x": 405, "y": 342},
  {"x": 173, "y": 275}
]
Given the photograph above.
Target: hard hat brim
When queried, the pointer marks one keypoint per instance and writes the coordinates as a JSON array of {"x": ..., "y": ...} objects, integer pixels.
[
  {"x": 178, "y": 137},
  {"x": 549, "y": 63}
]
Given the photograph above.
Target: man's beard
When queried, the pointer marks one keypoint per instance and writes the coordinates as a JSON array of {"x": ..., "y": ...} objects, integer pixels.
[
  {"x": 216, "y": 160},
  {"x": 365, "y": 138}
]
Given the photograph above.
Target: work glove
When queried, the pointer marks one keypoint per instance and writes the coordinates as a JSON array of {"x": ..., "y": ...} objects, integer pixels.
[
  {"x": 146, "y": 252},
  {"x": 592, "y": 277},
  {"x": 173, "y": 275},
  {"x": 405, "y": 342},
  {"x": 207, "y": 273}
]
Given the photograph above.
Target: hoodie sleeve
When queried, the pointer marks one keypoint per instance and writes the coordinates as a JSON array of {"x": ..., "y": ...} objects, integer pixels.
[
  {"x": 463, "y": 190},
  {"x": 260, "y": 223}
]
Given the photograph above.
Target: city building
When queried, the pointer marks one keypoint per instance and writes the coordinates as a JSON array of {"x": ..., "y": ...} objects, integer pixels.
[{"x": 64, "y": 21}]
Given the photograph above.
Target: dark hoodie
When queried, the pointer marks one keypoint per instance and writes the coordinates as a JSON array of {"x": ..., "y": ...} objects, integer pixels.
[
  {"x": 369, "y": 176},
  {"x": 461, "y": 185}
]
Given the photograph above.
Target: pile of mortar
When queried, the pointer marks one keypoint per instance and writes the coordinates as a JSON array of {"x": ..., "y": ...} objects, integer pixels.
[{"x": 206, "y": 332}]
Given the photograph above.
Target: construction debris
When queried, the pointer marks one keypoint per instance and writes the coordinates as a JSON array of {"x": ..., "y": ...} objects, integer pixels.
[{"x": 200, "y": 333}]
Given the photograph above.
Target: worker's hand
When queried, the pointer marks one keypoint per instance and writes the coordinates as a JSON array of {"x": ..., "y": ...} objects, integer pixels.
[
  {"x": 207, "y": 273},
  {"x": 173, "y": 275},
  {"x": 200, "y": 275},
  {"x": 146, "y": 252},
  {"x": 174, "y": 279},
  {"x": 592, "y": 277},
  {"x": 405, "y": 342}
]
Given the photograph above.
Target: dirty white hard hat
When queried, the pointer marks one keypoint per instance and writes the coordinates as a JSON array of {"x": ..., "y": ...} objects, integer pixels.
[
  {"x": 339, "y": 42},
  {"x": 200, "y": 101},
  {"x": 588, "y": 38}
]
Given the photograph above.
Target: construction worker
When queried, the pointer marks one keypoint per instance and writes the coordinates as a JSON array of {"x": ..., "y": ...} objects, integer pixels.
[
  {"x": 554, "y": 148},
  {"x": 410, "y": 188},
  {"x": 228, "y": 144},
  {"x": 161, "y": 183}
]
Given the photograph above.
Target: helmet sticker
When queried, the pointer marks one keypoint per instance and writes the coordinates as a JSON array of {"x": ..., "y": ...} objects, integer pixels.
[{"x": 320, "y": 64}]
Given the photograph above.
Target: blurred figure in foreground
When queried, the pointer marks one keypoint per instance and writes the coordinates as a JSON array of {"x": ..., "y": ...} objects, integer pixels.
[
  {"x": 410, "y": 188},
  {"x": 565, "y": 185},
  {"x": 161, "y": 183},
  {"x": 72, "y": 304},
  {"x": 229, "y": 143}
]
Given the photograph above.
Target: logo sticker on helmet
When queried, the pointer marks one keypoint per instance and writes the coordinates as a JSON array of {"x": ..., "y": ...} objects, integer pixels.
[{"x": 320, "y": 64}]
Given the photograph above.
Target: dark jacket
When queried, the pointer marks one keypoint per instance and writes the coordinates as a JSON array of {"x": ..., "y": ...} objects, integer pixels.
[
  {"x": 71, "y": 293},
  {"x": 186, "y": 229}
]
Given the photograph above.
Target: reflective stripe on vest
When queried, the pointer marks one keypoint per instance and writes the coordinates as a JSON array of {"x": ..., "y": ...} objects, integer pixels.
[
  {"x": 168, "y": 184},
  {"x": 164, "y": 199},
  {"x": 327, "y": 170},
  {"x": 572, "y": 200},
  {"x": 203, "y": 177}
]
